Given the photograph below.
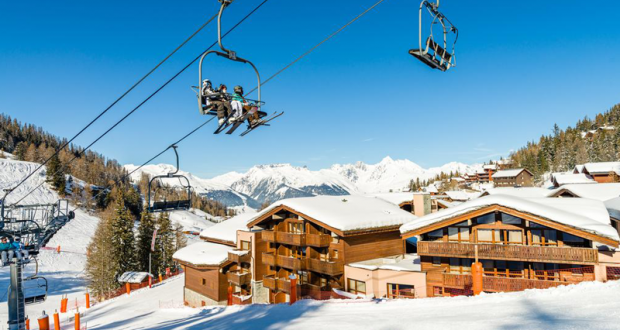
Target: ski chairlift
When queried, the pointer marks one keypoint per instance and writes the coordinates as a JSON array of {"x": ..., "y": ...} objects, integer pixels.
[
  {"x": 252, "y": 113},
  {"x": 35, "y": 287},
  {"x": 167, "y": 205},
  {"x": 433, "y": 54}
]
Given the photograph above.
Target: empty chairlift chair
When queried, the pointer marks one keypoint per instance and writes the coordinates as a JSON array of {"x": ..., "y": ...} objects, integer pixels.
[
  {"x": 164, "y": 205},
  {"x": 430, "y": 52}
]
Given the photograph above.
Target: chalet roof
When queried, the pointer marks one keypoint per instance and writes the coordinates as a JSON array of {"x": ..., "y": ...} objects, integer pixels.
[
  {"x": 133, "y": 277},
  {"x": 489, "y": 167},
  {"x": 509, "y": 173},
  {"x": 407, "y": 263},
  {"x": 602, "y": 168},
  {"x": 202, "y": 254},
  {"x": 579, "y": 168},
  {"x": 446, "y": 203},
  {"x": 613, "y": 207},
  {"x": 431, "y": 188},
  {"x": 598, "y": 191},
  {"x": 344, "y": 213},
  {"x": 226, "y": 231},
  {"x": 523, "y": 192},
  {"x": 395, "y": 198},
  {"x": 570, "y": 178},
  {"x": 582, "y": 214},
  {"x": 459, "y": 195}
]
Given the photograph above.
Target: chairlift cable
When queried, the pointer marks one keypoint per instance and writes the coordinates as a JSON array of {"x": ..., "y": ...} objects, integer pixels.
[
  {"x": 317, "y": 45},
  {"x": 115, "y": 102},
  {"x": 146, "y": 100}
]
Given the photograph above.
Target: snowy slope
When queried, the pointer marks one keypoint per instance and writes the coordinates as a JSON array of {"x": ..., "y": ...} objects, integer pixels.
[
  {"x": 589, "y": 305},
  {"x": 279, "y": 181},
  {"x": 212, "y": 189}
]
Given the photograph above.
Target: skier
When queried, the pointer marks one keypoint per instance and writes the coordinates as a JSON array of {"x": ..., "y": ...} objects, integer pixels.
[
  {"x": 238, "y": 102},
  {"x": 7, "y": 253},
  {"x": 19, "y": 248},
  {"x": 207, "y": 93},
  {"x": 222, "y": 105}
]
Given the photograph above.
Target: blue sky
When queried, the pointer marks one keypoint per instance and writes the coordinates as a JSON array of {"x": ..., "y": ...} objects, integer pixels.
[{"x": 522, "y": 66}]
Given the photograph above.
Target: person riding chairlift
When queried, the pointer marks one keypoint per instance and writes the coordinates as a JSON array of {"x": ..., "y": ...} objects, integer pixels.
[
  {"x": 207, "y": 92},
  {"x": 20, "y": 249},
  {"x": 6, "y": 251},
  {"x": 238, "y": 103},
  {"x": 222, "y": 104}
]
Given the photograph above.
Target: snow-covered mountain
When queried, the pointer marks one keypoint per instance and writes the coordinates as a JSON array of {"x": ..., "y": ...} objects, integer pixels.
[{"x": 278, "y": 181}]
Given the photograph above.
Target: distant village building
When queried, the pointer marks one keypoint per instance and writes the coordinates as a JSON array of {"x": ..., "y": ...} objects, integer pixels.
[
  {"x": 513, "y": 178},
  {"x": 561, "y": 179},
  {"x": 485, "y": 175},
  {"x": 604, "y": 172}
]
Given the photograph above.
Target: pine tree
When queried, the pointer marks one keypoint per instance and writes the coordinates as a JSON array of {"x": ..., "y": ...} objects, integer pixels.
[
  {"x": 123, "y": 239},
  {"x": 100, "y": 270},
  {"x": 56, "y": 175},
  {"x": 145, "y": 236},
  {"x": 180, "y": 240},
  {"x": 164, "y": 245}
]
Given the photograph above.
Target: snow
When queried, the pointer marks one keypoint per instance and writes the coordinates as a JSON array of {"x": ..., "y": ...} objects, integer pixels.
[
  {"x": 227, "y": 230},
  {"x": 598, "y": 191},
  {"x": 583, "y": 214},
  {"x": 524, "y": 192},
  {"x": 431, "y": 188},
  {"x": 346, "y": 213},
  {"x": 395, "y": 198},
  {"x": 459, "y": 195},
  {"x": 613, "y": 207},
  {"x": 203, "y": 254},
  {"x": 411, "y": 262},
  {"x": 133, "y": 277},
  {"x": 603, "y": 167},
  {"x": 570, "y": 178},
  {"x": 192, "y": 220},
  {"x": 507, "y": 173},
  {"x": 589, "y": 305}
]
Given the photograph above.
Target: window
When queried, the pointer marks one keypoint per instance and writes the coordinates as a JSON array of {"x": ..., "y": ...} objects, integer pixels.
[
  {"x": 204, "y": 281},
  {"x": 436, "y": 235},
  {"x": 460, "y": 266},
  {"x": 356, "y": 287},
  {"x": 303, "y": 277},
  {"x": 295, "y": 227},
  {"x": 515, "y": 237},
  {"x": 398, "y": 291},
  {"x": 458, "y": 234},
  {"x": 511, "y": 219},
  {"x": 335, "y": 254},
  {"x": 544, "y": 237},
  {"x": 486, "y": 219},
  {"x": 572, "y": 240},
  {"x": 245, "y": 245},
  {"x": 324, "y": 283},
  {"x": 436, "y": 261}
]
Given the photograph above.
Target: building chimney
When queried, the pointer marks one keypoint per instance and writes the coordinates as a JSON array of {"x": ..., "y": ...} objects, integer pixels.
[{"x": 421, "y": 204}]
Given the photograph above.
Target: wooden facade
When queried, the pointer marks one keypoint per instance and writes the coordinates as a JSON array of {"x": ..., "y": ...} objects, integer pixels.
[
  {"x": 517, "y": 251},
  {"x": 209, "y": 282},
  {"x": 524, "y": 178},
  {"x": 315, "y": 253}
]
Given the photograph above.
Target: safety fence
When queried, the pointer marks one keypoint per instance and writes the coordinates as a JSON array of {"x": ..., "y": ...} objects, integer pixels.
[{"x": 613, "y": 273}]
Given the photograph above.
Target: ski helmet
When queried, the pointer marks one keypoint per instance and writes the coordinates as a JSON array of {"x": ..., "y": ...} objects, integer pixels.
[
  {"x": 238, "y": 89},
  {"x": 206, "y": 82}
]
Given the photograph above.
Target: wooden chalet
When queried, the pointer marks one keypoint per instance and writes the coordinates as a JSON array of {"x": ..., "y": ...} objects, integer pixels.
[
  {"x": 605, "y": 172},
  {"x": 521, "y": 243},
  {"x": 519, "y": 177},
  {"x": 311, "y": 239}
]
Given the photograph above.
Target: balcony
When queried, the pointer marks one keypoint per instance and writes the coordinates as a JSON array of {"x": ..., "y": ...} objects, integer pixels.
[
  {"x": 510, "y": 252},
  {"x": 316, "y": 240},
  {"x": 508, "y": 284},
  {"x": 326, "y": 267},
  {"x": 316, "y": 292},
  {"x": 276, "y": 284},
  {"x": 239, "y": 278},
  {"x": 239, "y": 256},
  {"x": 270, "y": 259},
  {"x": 239, "y": 299}
]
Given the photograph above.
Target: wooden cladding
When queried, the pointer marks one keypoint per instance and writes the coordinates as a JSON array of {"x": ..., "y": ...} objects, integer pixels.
[
  {"x": 277, "y": 284},
  {"x": 506, "y": 284},
  {"x": 239, "y": 278},
  {"x": 297, "y": 239},
  {"x": 510, "y": 252},
  {"x": 295, "y": 264},
  {"x": 236, "y": 258}
]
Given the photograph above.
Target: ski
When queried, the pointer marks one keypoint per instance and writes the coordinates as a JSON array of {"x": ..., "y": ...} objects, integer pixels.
[
  {"x": 262, "y": 122},
  {"x": 239, "y": 121},
  {"x": 224, "y": 125}
]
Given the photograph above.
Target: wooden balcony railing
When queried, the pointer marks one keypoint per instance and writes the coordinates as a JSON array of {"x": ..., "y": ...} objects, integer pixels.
[
  {"x": 238, "y": 256},
  {"x": 326, "y": 267},
  {"x": 269, "y": 259},
  {"x": 276, "y": 284},
  {"x": 238, "y": 299},
  {"x": 510, "y": 252},
  {"x": 508, "y": 284},
  {"x": 292, "y": 263},
  {"x": 316, "y": 240},
  {"x": 239, "y": 278}
]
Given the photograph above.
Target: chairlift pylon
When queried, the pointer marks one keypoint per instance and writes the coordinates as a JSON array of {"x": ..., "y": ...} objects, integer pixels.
[
  {"x": 433, "y": 53},
  {"x": 253, "y": 114},
  {"x": 166, "y": 205}
]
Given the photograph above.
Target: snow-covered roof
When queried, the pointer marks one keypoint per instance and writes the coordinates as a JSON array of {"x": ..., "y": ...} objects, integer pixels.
[
  {"x": 579, "y": 213},
  {"x": 395, "y": 198},
  {"x": 578, "y": 168},
  {"x": 227, "y": 230},
  {"x": 345, "y": 213},
  {"x": 603, "y": 167},
  {"x": 445, "y": 203},
  {"x": 459, "y": 195},
  {"x": 569, "y": 178},
  {"x": 509, "y": 173},
  {"x": 599, "y": 191},
  {"x": 490, "y": 167},
  {"x": 203, "y": 254},
  {"x": 613, "y": 207},
  {"x": 133, "y": 277},
  {"x": 524, "y": 192},
  {"x": 431, "y": 188},
  {"x": 408, "y": 263}
]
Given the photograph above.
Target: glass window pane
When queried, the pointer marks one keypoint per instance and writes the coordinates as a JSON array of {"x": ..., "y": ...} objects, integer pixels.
[
  {"x": 453, "y": 233},
  {"x": 361, "y": 287},
  {"x": 464, "y": 223},
  {"x": 487, "y": 218},
  {"x": 485, "y": 235},
  {"x": 510, "y": 219},
  {"x": 535, "y": 225},
  {"x": 498, "y": 236},
  {"x": 500, "y": 264},
  {"x": 514, "y": 236},
  {"x": 487, "y": 264},
  {"x": 551, "y": 236},
  {"x": 536, "y": 236},
  {"x": 572, "y": 238},
  {"x": 436, "y": 235},
  {"x": 464, "y": 234},
  {"x": 454, "y": 262}
]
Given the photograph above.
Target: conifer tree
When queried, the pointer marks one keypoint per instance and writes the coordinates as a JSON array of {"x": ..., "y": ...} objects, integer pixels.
[
  {"x": 123, "y": 239},
  {"x": 100, "y": 270},
  {"x": 145, "y": 236},
  {"x": 180, "y": 241},
  {"x": 164, "y": 245},
  {"x": 56, "y": 175}
]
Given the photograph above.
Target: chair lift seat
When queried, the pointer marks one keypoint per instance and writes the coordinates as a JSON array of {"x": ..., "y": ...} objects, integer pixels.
[{"x": 431, "y": 59}]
